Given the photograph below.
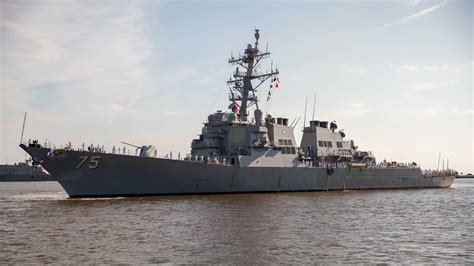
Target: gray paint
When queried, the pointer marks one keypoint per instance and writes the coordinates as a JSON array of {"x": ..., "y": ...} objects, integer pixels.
[{"x": 132, "y": 175}]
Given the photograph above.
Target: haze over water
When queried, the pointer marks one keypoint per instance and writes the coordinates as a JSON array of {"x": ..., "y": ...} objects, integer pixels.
[{"x": 39, "y": 224}]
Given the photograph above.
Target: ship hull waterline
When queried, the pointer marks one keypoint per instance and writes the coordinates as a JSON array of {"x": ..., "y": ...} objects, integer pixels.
[{"x": 88, "y": 174}]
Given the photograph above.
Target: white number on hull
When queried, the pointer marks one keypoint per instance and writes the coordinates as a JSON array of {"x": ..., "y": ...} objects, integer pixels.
[
  {"x": 83, "y": 160},
  {"x": 93, "y": 163}
]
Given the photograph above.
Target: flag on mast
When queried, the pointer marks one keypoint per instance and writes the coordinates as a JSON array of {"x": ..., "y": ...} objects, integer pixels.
[{"x": 274, "y": 82}]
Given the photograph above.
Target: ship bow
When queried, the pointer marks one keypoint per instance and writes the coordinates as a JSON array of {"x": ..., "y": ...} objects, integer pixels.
[{"x": 38, "y": 154}]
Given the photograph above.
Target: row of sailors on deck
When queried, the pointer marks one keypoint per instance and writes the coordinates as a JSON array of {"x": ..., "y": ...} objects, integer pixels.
[
  {"x": 102, "y": 149},
  {"x": 207, "y": 159},
  {"x": 47, "y": 144},
  {"x": 385, "y": 164},
  {"x": 437, "y": 173}
]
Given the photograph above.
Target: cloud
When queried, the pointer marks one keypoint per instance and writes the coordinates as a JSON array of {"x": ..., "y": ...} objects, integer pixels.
[
  {"x": 419, "y": 112},
  {"x": 423, "y": 86},
  {"x": 411, "y": 2},
  {"x": 205, "y": 80},
  {"x": 415, "y": 68},
  {"x": 411, "y": 68},
  {"x": 417, "y": 15},
  {"x": 416, "y": 90},
  {"x": 90, "y": 53},
  {"x": 425, "y": 112},
  {"x": 353, "y": 110},
  {"x": 463, "y": 112},
  {"x": 355, "y": 69},
  {"x": 173, "y": 113}
]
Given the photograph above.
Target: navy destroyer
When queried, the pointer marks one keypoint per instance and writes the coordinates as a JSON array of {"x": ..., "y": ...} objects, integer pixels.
[{"x": 236, "y": 153}]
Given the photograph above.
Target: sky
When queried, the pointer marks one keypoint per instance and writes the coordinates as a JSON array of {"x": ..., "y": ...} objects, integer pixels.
[{"x": 397, "y": 76}]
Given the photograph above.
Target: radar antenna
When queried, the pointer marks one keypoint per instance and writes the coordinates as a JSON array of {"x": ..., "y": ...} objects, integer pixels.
[{"x": 241, "y": 85}]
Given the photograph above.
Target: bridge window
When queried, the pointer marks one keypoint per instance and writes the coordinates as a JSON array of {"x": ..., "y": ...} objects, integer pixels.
[
  {"x": 293, "y": 150},
  {"x": 324, "y": 143},
  {"x": 285, "y": 142},
  {"x": 288, "y": 150}
]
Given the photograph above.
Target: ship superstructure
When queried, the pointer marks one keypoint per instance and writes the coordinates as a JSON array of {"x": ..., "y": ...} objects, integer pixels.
[
  {"x": 235, "y": 153},
  {"x": 266, "y": 141},
  {"x": 234, "y": 138}
]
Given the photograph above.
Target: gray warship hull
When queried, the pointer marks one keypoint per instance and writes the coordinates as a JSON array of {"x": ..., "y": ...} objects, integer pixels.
[{"x": 122, "y": 175}]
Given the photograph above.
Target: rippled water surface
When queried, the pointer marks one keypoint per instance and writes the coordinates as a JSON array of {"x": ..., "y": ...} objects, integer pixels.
[{"x": 39, "y": 224}]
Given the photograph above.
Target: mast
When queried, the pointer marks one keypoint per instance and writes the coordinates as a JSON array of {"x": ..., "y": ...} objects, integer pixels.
[
  {"x": 241, "y": 85},
  {"x": 305, "y": 106},
  {"x": 23, "y": 128}
]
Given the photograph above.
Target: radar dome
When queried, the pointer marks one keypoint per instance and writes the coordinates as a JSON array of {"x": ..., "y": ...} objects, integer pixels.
[
  {"x": 210, "y": 118},
  {"x": 341, "y": 132},
  {"x": 231, "y": 117},
  {"x": 258, "y": 114}
]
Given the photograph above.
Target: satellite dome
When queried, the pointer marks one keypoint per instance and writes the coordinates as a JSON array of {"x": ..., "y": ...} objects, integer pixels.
[
  {"x": 341, "y": 132},
  {"x": 258, "y": 116},
  {"x": 210, "y": 118},
  {"x": 231, "y": 117}
]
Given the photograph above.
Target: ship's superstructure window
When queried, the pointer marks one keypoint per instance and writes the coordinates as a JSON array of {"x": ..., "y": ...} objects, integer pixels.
[
  {"x": 339, "y": 144},
  {"x": 323, "y": 143},
  {"x": 286, "y": 142},
  {"x": 286, "y": 146},
  {"x": 288, "y": 150}
]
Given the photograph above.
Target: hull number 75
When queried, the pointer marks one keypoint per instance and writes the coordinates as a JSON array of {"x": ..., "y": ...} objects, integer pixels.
[{"x": 93, "y": 162}]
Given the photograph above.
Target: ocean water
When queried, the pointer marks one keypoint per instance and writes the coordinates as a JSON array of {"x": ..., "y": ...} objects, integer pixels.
[{"x": 39, "y": 224}]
